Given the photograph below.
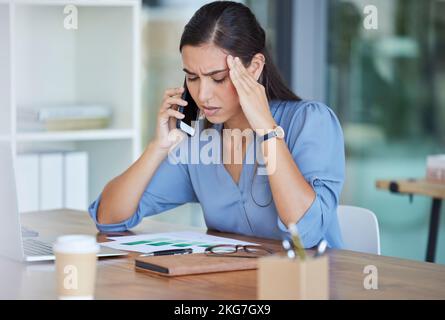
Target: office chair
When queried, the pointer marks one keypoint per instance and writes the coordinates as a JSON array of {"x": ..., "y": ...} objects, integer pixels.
[{"x": 360, "y": 229}]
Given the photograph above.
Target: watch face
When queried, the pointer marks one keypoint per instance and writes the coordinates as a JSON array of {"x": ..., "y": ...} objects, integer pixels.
[{"x": 280, "y": 132}]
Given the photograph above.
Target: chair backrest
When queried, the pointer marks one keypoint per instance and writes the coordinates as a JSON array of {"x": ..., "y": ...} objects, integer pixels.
[{"x": 360, "y": 229}]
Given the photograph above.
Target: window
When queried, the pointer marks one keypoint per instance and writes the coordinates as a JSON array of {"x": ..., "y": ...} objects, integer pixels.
[{"x": 387, "y": 87}]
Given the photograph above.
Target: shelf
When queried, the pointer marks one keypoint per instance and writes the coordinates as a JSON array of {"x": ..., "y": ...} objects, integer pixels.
[
  {"x": 84, "y": 135},
  {"x": 70, "y": 67},
  {"x": 95, "y": 3},
  {"x": 43, "y": 65}
]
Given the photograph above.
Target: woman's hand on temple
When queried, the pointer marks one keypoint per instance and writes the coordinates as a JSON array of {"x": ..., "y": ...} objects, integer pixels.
[{"x": 252, "y": 96}]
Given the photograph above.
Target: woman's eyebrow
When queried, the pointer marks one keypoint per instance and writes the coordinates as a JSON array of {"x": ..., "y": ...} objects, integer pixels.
[{"x": 205, "y": 74}]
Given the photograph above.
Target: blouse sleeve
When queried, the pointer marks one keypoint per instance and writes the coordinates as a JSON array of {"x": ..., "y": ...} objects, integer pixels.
[
  {"x": 169, "y": 187},
  {"x": 315, "y": 140}
]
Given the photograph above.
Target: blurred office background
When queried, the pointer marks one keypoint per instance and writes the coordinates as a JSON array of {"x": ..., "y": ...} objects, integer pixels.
[{"x": 387, "y": 86}]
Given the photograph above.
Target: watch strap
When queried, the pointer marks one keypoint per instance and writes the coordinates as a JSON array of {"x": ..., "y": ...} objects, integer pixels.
[{"x": 268, "y": 136}]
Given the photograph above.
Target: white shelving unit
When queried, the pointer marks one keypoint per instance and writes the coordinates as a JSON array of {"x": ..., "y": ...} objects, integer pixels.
[
  {"x": 42, "y": 63},
  {"x": 81, "y": 135}
]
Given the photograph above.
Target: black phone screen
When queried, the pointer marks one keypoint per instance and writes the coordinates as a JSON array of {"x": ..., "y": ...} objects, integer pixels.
[{"x": 191, "y": 113}]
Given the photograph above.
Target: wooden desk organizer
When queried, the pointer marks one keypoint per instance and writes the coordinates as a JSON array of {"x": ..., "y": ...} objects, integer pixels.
[{"x": 292, "y": 279}]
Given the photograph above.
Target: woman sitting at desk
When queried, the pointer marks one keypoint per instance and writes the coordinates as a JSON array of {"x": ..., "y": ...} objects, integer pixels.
[{"x": 234, "y": 82}]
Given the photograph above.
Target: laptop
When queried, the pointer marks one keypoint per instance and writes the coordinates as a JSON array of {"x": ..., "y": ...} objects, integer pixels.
[{"x": 16, "y": 241}]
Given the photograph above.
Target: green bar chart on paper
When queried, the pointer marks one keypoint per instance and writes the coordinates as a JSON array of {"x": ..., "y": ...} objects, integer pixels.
[
  {"x": 168, "y": 242},
  {"x": 147, "y": 243},
  {"x": 134, "y": 243}
]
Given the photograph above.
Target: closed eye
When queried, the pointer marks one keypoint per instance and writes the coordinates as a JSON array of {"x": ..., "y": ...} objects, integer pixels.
[
  {"x": 215, "y": 80},
  {"x": 220, "y": 80}
]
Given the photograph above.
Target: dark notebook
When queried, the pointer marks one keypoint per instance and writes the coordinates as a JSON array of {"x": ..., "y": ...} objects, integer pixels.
[{"x": 178, "y": 265}]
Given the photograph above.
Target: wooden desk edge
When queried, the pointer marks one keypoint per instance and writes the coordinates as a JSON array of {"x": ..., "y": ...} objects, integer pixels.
[{"x": 414, "y": 187}]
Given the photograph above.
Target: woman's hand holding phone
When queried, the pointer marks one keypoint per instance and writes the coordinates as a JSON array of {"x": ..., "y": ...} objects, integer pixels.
[
  {"x": 167, "y": 136},
  {"x": 121, "y": 196}
]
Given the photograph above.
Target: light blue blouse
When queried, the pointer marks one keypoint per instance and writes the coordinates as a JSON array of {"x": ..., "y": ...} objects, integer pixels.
[{"x": 315, "y": 140}]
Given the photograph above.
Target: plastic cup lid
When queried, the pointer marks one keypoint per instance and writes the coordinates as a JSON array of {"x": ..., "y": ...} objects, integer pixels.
[{"x": 76, "y": 244}]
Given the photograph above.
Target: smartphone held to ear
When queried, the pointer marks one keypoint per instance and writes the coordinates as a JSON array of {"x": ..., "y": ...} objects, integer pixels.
[{"x": 190, "y": 111}]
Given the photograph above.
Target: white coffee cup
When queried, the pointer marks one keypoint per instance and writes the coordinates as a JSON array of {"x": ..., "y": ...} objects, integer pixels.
[{"x": 76, "y": 257}]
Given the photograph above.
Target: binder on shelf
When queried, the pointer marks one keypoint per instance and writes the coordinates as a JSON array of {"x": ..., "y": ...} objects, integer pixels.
[
  {"x": 51, "y": 181},
  {"x": 27, "y": 177},
  {"x": 76, "y": 180}
]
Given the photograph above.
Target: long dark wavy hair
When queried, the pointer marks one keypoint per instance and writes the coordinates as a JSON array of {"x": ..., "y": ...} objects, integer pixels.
[{"x": 232, "y": 27}]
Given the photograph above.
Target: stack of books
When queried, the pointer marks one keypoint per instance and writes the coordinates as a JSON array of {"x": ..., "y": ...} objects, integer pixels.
[
  {"x": 64, "y": 117},
  {"x": 435, "y": 168}
]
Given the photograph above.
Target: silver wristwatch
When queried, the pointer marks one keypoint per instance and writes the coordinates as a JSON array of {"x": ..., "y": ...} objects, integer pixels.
[{"x": 277, "y": 132}]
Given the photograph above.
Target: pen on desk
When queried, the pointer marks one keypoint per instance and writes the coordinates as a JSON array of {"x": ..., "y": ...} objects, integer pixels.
[{"x": 168, "y": 252}]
